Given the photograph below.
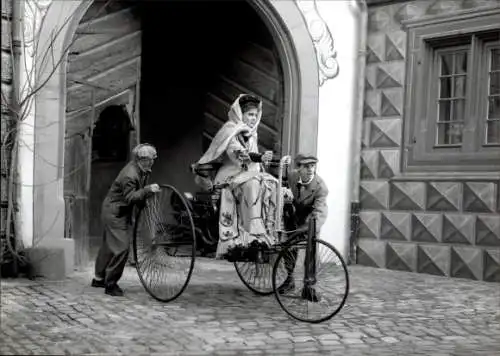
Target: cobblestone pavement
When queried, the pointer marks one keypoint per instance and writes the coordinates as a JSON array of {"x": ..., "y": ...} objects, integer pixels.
[{"x": 387, "y": 313}]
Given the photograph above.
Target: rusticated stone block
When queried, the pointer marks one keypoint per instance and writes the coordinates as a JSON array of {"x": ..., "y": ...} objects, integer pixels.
[
  {"x": 401, "y": 256},
  {"x": 488, "y": 230},
  {"x": 369, "y": 164},
  {"x": 369, "y": 224},
  {"x": 466, "y": 262},
  {"x": 395, "y": 226},
  {"x": 388, "y": 163},
  {"x": 433, "y": 259},
  {"x": 427, "y": 227},
  {"x": 491, "y": 265},
  {"x": 407, "y": 195},
  {"x": 374, "y": 195},
  {"x": 371, "y": 253},
  {"x": 443, "y": 196},
  {"x": 458, "y": 228},
  {"x": 479, "y": 197},
  {"x": 385, "y": 133}
]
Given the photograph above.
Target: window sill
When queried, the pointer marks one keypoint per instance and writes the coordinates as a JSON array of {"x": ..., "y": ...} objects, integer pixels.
[{"x": 446, "y": 176}]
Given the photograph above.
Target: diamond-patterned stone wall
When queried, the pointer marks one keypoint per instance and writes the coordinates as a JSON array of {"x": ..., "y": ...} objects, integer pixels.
[{"x": 443, "y": 227}]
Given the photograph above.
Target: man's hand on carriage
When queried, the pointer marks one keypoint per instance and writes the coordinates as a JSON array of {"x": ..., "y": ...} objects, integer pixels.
[
  {"x": 287, "y": 160},
  {"x": 287, "y": 194},
  {"x": 267, "y": 157},
  {"x": 152, "y": 188}
]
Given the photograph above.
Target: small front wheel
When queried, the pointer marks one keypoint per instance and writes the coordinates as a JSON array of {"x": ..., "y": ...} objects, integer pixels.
[{"x": 314, "y": 291}]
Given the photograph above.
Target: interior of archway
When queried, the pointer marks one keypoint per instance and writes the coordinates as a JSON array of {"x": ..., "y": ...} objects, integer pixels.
[{"x": 176, "y": 66}]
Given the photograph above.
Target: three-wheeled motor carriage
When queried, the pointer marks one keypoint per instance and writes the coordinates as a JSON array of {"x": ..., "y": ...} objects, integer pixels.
[{"x": 307, "y": 275}]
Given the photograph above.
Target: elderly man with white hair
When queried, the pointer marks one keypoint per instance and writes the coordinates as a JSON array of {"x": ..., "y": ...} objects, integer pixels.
[{"x": 128, "y": 189}]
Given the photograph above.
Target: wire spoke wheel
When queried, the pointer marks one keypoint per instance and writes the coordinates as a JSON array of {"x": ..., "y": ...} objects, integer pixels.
[
  {"x": 316, "y": 299},
  {"x": 258, "y": 277},
  {"x": 165, "y": 244}
]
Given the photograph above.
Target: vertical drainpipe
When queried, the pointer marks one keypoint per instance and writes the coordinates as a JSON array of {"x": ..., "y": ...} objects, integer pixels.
[
  {"x": 17, "y": 45},
  {"x": 360, "y": 8}
]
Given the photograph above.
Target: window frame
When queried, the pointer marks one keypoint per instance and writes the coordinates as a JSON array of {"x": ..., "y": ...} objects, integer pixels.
[
  {"x": 434, "y": 98},
  {"x": 484, "y": 109},
  {"x": 425, "y": 37}
]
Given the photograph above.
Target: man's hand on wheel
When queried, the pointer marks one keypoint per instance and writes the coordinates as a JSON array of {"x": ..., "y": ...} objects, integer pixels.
[{"x": 153, "y": 188}]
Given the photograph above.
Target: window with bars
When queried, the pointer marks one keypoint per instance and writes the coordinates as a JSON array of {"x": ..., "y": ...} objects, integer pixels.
[
  {"x": 451, "y": 96},
  {"x": 452, "y": 113},
  {"x": 493, "y": 113}
]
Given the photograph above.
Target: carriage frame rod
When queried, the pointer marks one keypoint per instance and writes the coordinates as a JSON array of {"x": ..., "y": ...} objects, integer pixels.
[{"x": 310, "y": 257}]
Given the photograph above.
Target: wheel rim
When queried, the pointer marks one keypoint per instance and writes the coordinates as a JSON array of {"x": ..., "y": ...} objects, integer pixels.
[
  {"x": 332, "y": 283},
  {"x": 258, "y": 277},
  {"x": 164, "y": 244}
]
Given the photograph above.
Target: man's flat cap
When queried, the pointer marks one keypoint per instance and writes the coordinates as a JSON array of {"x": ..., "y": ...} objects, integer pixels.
[{"x": 305, "y": 159}]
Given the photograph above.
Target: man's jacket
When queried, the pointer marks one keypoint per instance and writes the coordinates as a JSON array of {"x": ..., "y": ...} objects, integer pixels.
[
  {"x": 309, "y": 200},
  {"x": 126, "y": 191}
]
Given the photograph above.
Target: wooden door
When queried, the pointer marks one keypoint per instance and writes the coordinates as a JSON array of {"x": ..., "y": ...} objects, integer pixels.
[
  {"x": 78, "y": 169},
  {"x": 254, "y": 68},
  {"x": 103, "y": 69},
  {"x": 78, "y": 140}
]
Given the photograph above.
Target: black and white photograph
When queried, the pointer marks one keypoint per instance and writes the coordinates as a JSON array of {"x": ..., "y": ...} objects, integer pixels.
[{"x": 250, "y": 177}]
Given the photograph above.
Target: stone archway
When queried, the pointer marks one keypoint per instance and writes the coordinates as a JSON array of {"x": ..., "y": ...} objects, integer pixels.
[{"x": 286, "y": 23}]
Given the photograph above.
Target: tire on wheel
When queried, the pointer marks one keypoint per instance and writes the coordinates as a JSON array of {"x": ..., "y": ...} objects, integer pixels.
[
  {"x": 164, "y": 244},
  {"x": 326, "y": 292}
]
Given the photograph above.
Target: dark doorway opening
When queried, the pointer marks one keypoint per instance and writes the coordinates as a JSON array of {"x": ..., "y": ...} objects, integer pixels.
[
  {"x": 177, "y": 66},
  {"x": 110, "y": 153},
  {"x": 197, "y": 57}
]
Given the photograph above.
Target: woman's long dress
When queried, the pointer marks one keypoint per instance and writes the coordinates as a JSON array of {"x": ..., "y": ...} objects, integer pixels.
[{"x": 248, "y": 204}]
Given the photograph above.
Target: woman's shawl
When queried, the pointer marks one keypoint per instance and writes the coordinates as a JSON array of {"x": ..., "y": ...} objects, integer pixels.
[{"x": 234, "y": 126}]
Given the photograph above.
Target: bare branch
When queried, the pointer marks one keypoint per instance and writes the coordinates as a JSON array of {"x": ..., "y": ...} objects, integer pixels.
[
  {"x": 63, "y": 56},
  {"x": 22, "y": 106}
]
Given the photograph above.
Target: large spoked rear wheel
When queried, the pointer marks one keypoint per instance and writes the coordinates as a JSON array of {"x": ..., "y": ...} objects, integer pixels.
[
  {"x": 320, "y": 296},
  {"x": 165, "y": 244},
  {"x": 258, "y": 276}
]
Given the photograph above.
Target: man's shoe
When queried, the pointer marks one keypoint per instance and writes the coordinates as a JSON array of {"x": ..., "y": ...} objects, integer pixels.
[
  {"x": 96, "y": 283},
  {"x": 287, "y": 286},
  {"x": 309, "y": 293},
  {"x": 113, "y": 290}
]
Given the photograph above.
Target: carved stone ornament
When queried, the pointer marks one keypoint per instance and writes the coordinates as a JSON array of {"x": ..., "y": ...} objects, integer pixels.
[
  {"x": 34, "y": 13},
  {"x": 322, "y": 39}
]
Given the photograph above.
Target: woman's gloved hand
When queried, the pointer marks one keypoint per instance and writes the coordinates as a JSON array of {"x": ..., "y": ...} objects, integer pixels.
[{"x": 287, "y": 194}]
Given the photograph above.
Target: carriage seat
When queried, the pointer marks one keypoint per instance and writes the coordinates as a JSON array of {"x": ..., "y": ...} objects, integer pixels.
[
  {"x": 205, "y": 174},
  {"x": 206, "y": 169}
]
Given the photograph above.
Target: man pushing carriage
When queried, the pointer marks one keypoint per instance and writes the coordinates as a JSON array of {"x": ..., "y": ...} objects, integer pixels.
[
  {"x": 248, "y": 205},
  {"x": 252, "y": 211}
]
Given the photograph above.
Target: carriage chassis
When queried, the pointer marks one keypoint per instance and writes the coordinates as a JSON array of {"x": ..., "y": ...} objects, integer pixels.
[{"x": 198, "y": 216}]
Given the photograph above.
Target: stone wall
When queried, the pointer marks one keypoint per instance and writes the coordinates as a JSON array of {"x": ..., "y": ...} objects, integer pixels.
[{"x": 447, "y": 227}]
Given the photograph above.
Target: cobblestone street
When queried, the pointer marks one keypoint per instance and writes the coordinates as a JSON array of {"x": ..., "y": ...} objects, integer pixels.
[{"x": 387, "y": 313}]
